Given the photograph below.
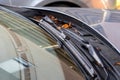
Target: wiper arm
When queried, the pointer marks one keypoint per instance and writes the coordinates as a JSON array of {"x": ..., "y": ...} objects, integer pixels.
[
  {"x": 63, "y": 40},
  {"x": 47, "y": 24},
  {"x": 87, "y": 45},
  {"x": 95, "y": 54}
]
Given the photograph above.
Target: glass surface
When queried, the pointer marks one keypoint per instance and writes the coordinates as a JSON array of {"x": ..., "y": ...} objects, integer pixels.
[{"x": 36, "y": 55}]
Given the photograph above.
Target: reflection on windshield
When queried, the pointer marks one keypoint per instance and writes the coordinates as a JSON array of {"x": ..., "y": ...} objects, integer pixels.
[
  {"x": 38, "y": 56},
  {"x": 26, "y": 29},
  {"x": 12, "y": 67},
  {"x": 71, "y": 71}
]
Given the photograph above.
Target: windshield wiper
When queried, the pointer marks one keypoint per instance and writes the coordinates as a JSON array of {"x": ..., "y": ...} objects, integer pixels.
[
  {"x": 47, "y": 24},
  {"x": 86, "y": 44},
  {"x": 91, "y": 51},
  {"x": 70, "y": 46},
  {"x": 95, "y": 54}
]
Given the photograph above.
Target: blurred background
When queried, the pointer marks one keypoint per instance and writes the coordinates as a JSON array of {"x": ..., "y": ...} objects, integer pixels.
[{"x": 99, "y": 4}]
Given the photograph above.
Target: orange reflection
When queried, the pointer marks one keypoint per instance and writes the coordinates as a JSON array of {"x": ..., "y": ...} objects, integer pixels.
[
  {"x": 99, "y": 4},
  {"x": 118, "y": 4}
]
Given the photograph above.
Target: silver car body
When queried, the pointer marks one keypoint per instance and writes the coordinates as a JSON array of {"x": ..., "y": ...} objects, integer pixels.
[
  {"x": 106, "y": 4},
  {"x": 107, "y": 22}
]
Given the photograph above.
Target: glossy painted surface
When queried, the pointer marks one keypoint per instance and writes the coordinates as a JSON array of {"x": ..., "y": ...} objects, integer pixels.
[
  {"x": 39, "y": 2},
  {"x": 101, "y": 4},
  {"x": 107, "y": 22}
]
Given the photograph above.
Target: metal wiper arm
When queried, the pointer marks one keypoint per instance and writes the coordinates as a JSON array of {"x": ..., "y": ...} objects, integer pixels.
[
  {"x": 94, "y": 54},
  {"x": 49, "y": 26},
  {"x": 45, "y": 23},
  {"x": 87, "y": 45}
]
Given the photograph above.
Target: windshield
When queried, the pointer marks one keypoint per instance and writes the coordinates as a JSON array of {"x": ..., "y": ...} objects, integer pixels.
[{"x": 29, "y": 53}]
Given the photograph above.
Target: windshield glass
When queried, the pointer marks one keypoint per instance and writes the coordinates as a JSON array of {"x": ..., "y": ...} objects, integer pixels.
[{"x": 29, "y": 53}]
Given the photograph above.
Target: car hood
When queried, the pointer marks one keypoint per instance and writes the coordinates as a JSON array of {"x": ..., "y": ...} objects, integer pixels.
[
  {"x": 112, "y": 31},
  {"x": 107, "y": 22}
]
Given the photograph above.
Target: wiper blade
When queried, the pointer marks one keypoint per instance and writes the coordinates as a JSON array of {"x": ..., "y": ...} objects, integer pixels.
[
  {"x": 61, "y": 36},
  {"x": 51, "y": 28},
  {"x": 96, "y": 55},
  {"x": 87, "y": 45},
  {"x": 90, "y": 49}
]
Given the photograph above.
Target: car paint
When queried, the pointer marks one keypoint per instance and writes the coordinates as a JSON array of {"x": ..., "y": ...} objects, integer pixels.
[
  {"x": 101, "y": 4},
  {"x": 38, "y": 2},
  {"x": 106, "y": 22}
]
